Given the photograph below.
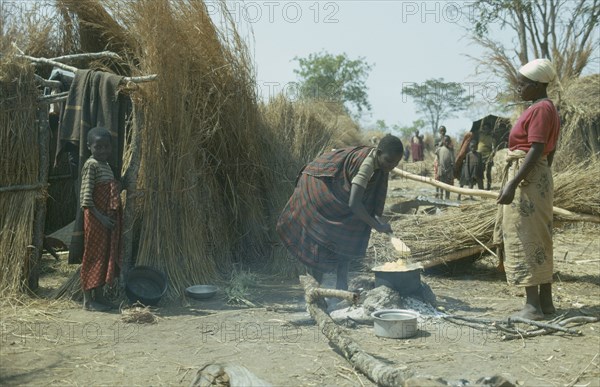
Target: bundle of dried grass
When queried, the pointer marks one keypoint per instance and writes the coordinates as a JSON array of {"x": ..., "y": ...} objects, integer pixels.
[
  {"x": 19, "y": 167},
  {"x": 436, "y": 236},
  {"x": 138, "y": 314},
  {"x": 580, "y": 113},
  {"x": 576, "y": 187}
]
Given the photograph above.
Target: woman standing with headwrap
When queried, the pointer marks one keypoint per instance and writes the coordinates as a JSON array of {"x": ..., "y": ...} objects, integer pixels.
[{"x": 525, "y": 214}]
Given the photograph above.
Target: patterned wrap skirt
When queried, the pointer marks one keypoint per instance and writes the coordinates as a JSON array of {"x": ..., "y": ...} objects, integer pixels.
[
  {"x": 102, "y": 252},
  {"x": 525, "y": 225},
  {"x": 317, "y": 225}
]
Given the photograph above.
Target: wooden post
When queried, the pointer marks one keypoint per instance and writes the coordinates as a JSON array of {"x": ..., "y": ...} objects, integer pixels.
[
  {"x": 40, "y": 205},
  {"x": 130, "y": 184},
  {"x": 559, "y": 212}
]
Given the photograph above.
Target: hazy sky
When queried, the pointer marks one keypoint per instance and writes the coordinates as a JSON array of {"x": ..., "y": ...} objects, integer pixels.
[{"x": 407, "y": 41}]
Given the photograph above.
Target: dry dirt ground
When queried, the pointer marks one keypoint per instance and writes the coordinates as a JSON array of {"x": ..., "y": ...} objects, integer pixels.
[{"x": 56, "y": 343}]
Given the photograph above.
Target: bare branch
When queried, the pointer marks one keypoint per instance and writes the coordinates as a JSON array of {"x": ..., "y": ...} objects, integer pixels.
[{"x": 89, "y": 55}]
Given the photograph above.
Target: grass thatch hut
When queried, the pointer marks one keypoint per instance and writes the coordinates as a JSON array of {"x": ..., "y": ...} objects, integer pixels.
[{"x": 215, "y": 168}]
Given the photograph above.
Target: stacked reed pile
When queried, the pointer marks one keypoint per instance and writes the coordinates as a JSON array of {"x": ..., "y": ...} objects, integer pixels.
[
  {"x": 456, "y": 229},
  {"x": 580, "y": 117},
  {"x": 19, "y": 166},
  {"x": 576, "y": 187}
]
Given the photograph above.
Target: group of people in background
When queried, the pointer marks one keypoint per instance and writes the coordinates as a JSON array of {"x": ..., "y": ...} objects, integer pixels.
[{"x": 471, "y": 166}]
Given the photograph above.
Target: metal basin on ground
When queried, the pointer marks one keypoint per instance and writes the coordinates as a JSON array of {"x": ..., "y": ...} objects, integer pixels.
[{"x": 395, "y": 323}]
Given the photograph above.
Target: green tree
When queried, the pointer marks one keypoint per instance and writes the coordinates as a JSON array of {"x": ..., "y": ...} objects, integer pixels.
[
  {"x": 564, "y": 31},
  {"x": 437, "y": 100},
  {"x": 334, "y": 78}
]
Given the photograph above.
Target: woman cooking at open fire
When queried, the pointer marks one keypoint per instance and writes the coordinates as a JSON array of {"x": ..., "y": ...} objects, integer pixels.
[{"x": 338, "y": 199}]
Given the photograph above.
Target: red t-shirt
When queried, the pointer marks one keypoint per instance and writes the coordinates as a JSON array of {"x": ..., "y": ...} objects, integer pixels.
[{"x": 539, "y": 123}]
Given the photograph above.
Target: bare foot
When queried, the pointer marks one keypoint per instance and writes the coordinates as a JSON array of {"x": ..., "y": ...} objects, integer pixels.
[
  {"x": 530, "y": 312},
  {"x": 104, "y": 301},
  {"x": 95, "y": 306},
  {"x": 548, "y": 308}
]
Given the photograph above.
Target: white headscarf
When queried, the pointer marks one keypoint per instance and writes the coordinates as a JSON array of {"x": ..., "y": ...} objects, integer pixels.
[{"x": 539, "y": 70}]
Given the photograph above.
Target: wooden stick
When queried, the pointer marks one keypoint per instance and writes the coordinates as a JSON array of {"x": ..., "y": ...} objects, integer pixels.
[
  {"x": 30, "y": 187},
  {"x": 49, "y": 62},
  {"x": 560, "y": 212},
  {"x": 378, "y": 372},
  {"x": 342, "y": 294},
  {"x": 40, "y": 205},
  {"x": 130, "y": 184},
  {"x": 448, "y": 187},
  {"x": 47, "y": 82},
  {"x": 452, "y": 257},
  {"x": 478, "y": 241},
  {"x": 140, "y": 79},
  {"x": 578, "y": 320},
  {"x": 53, "y": 97},
  {"x": 144, "y": 78},
  {"x": 544, "y": 325},
  {"x": 87, "y": 55}
]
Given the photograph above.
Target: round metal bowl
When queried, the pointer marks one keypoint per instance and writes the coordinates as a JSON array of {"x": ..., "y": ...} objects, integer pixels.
[
  {"x": 201, "y": 292},
  {"x": 395, "y": 323}
]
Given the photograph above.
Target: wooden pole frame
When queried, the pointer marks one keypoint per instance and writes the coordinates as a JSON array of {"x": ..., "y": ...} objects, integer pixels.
[
  {"x": 35, "y": 254},
  {"x": 130, "y": 178},
  {"x": 559, "y": 212}
]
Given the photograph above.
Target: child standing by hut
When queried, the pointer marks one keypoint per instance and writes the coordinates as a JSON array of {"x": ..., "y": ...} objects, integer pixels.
[
  {"x": 445, "y": 166},
  {"x": 472, "y": 169},
  {"x": 101, "y": 205}
]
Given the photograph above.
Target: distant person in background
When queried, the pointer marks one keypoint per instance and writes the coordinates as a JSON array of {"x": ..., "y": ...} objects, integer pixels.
[
  {"x": 486, "y": 147},
  {"x": 472, "y": 169},
  {"x": 524, "y": 222},
  {"x": 438, "y": 143},
  {"x": 445, "y": 170},
  {"x": 416, "y": 147},
  {"x": 406, "y": 153},
  {"x": 441, "y": 135}
]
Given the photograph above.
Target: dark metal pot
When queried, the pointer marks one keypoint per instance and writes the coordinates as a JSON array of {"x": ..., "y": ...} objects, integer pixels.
[
  {"x": 404, "y": 282},
  {"x": 145, "y": 284}
]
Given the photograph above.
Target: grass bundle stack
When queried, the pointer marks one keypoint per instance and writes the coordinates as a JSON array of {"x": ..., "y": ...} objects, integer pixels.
[
  {"x": 576, "y": 187},
  {"x": 431, "y": 237},
  {"x": 580, "y": 114},
  {"x": 202, "y": 173},
  {"x": 19, "y": 166}
]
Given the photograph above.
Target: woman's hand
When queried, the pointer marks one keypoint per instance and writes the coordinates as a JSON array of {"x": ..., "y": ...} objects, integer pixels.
[
  {"x": 507, "y": 194},
  {"x": 384, "y": 228},
  {"x": 106, "y": 221}
]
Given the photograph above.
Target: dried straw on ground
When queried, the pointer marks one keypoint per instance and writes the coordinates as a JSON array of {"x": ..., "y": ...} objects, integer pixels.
[
  {"x": 19, "y": 166},
  {"x": 138, "y": 314}
]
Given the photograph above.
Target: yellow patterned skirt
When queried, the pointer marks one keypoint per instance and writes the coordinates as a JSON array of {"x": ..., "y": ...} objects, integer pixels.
[{"x": 525, "y": 225}]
